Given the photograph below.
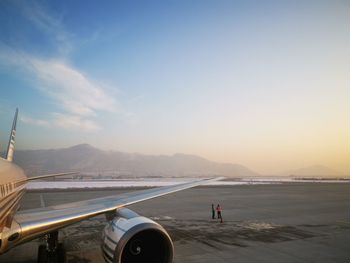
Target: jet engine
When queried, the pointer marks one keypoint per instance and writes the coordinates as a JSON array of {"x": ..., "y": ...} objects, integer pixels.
[{"x": 131, "y": 238}]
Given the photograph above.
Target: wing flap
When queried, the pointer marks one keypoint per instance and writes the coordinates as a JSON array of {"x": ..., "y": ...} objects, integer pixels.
[{"x": 49, "y": 175}]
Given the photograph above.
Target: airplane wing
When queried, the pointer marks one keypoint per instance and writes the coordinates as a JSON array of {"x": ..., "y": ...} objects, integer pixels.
[{"x": 36, "y": 222}]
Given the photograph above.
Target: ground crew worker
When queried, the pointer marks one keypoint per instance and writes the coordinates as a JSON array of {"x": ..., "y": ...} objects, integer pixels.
[
  {"x": 218, "y": 210},
  {"x": 212, "y": 211}
]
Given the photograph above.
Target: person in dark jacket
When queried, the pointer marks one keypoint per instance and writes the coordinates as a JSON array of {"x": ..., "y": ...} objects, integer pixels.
[{"x": 212, "y": 211}]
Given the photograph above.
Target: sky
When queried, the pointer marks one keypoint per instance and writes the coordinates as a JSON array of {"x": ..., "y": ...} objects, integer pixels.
[{"x": 265, "y": 84}]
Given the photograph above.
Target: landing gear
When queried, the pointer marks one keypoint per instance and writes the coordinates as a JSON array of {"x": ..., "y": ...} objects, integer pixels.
[{"x": 52, "y": 252}]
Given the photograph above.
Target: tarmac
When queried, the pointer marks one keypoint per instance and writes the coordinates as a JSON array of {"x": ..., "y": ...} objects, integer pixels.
[{"x": 289, "y": 222}]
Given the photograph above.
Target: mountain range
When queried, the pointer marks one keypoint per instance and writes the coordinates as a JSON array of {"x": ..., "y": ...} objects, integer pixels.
[{"x": 88, "y": 159}]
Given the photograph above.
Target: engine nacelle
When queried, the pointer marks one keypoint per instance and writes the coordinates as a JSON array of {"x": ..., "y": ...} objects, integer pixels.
[{"x": 131, "y": 238}]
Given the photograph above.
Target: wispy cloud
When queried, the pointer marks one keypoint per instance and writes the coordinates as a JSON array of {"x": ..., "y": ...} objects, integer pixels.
[
  {"x": 79, "y": 97},
  {"x": 47, "y": 22},
  {"x": 71, "y": 88},
  {"x": 32, "y": 121},
  {"x": 74, "y": 122},
  {"x": 65, "y": 121}
]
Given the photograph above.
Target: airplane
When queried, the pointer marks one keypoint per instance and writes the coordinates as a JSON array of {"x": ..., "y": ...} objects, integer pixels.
[{"x": 126, "y": 238}]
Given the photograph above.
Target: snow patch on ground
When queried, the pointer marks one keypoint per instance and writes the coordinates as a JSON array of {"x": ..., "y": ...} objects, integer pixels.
[{"x": 158, "y": 182}]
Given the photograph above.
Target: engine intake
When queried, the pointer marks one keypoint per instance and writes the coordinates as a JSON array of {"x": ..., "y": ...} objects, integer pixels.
[{"x": 130, "y": 238}]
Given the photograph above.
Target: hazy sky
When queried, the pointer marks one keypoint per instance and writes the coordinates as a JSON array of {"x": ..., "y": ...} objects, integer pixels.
[{"x": 265, "y": 84}]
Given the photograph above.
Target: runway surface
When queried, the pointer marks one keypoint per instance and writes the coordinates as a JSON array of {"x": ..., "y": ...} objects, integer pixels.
[{"x": 290, "y": 222}]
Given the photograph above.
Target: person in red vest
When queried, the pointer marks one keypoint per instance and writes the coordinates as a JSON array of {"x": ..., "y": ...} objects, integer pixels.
[{"x": 218, "y": 210}]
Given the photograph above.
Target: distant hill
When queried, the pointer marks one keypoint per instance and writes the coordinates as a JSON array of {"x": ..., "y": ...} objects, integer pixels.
[
  {"x": 85, "y": 158},
  {"x": 315, "y": 170}
]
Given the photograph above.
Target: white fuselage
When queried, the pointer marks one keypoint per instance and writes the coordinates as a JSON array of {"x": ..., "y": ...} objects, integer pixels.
[{"x": 12, "y": 186}]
